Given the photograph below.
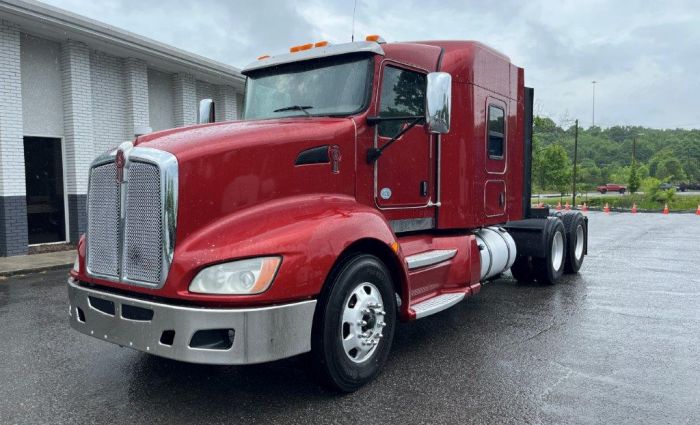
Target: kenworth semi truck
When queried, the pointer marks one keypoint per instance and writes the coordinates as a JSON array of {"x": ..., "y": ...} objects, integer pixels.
[{"x": 367, "y": 183}]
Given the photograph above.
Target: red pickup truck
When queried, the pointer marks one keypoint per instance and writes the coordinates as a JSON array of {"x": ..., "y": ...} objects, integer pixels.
[{"x": 611, "y": 187}]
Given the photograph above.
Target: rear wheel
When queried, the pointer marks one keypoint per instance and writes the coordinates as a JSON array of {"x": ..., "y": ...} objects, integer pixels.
[
  {"x": 575, "y": 226},
  {"x": 622, "y": 191},
  {"x": 354, "y": 324},
  {"x": 550, "y": 268}
]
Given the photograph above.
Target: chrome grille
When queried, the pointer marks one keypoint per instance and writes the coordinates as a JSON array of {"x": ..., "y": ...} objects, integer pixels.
[
  {"x": 103, "y": 221},
  {"x": 142, "y": 258},
  {"x": 131, "y": 225}
]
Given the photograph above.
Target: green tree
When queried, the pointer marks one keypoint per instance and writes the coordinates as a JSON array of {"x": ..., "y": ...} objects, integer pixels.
[
  {"x": 633, "y": 181},
  {"x": 556, "y": 168},
  {"x": 670, "y": 169}
]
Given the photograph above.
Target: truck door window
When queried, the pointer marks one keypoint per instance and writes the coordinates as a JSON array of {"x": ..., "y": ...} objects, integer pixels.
[
  {"x": 403, "y": 94},
  {"x": 496, "y": 132}
]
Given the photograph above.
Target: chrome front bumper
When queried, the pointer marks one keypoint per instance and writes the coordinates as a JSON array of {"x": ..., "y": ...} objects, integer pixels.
[{"x": 259, "y": 334}]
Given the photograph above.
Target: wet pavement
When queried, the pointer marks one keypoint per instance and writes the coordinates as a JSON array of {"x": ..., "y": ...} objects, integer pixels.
[{"x": 618, "y": 343}]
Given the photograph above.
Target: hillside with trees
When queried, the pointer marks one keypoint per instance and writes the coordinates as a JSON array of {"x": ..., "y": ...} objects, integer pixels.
[{"x": 605, "y": 155}]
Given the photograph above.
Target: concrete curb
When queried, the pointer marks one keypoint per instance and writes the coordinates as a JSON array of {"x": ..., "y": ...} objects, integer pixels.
[
  {"x": 31, "y": 270},
  {"x": 36, "y": 263}
]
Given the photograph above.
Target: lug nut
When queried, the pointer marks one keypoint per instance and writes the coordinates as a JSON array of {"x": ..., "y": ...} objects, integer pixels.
[{"x": 361, "y": 323}]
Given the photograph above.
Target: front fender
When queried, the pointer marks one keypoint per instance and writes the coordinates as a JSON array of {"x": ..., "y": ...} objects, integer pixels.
[{"x": 309, "y": 232}]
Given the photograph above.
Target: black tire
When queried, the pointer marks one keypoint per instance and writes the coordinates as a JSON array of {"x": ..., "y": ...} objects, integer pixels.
[
  {"x": 604, "y": 191},
  {"x": 544, "y": 268},
  {"x": 622, "y": 191},
  {"x": 575, "y": 226},
  {"x": 522, "y": 269},
  {"x": 331, "y": 365}
]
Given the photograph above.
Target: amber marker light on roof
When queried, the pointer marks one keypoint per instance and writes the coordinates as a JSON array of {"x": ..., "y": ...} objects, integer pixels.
[
  {"x": 306, "y": 46},
  {"x": 321, "y": 44},
  {"x": 373, "y": 37},
  {"x": 294, "y": 49},
  {"x": 263, "y": 57}
]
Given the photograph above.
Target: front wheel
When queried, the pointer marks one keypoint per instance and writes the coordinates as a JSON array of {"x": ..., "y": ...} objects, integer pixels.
[
  {"x": 354, "y": 324},
  {"x": 622, "y": 191}
]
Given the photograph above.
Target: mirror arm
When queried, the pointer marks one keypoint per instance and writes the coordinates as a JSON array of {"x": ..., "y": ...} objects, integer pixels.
[{"x": 373, "y": 154}]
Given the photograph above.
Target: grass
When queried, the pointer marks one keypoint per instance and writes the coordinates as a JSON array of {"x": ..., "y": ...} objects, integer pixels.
[{"x": 678, "y": 203}]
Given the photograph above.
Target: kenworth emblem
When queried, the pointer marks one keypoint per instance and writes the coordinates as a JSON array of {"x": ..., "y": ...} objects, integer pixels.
[
  {"x": 336, "y": 156},
  {"x": 120, "y": 161}
]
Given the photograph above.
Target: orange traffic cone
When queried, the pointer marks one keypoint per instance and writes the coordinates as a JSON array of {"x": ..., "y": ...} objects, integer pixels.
[
  {"x": 558, "y": 206},
  {"x": 634, "y": 208},
  {"x": 567, "y": 206},
  {"x": 584, "y": 208},
  {"x": 698, "y": 211},
  {"x": 665, "y": 208},
  {"x": 606, "y": 209}
]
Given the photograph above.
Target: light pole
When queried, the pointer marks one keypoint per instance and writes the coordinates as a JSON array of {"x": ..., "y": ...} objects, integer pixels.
[{"x": 593, "y": 110}]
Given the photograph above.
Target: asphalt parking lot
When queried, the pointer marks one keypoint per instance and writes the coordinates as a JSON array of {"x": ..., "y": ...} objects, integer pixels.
[{"x": 617, "y": 343}]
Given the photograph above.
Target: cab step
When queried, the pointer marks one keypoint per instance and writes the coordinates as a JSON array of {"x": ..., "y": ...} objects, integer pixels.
[
  {"x": 429, "y": 258},
  {"x": 437, "y": 304}
]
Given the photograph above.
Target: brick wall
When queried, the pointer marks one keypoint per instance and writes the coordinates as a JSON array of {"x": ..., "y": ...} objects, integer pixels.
[
  {"x": 109, "y": 103},
  {"x": 185, "y": 105},
  {"x": 136, "y": 85},
  {"x": 104, "y": 99},
  {"x": 77, "y": 114},
  {"x": 13, "y": 206}
]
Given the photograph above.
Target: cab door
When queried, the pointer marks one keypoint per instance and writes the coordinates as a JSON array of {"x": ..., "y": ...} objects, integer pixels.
[{"x": 403, "y": 174}]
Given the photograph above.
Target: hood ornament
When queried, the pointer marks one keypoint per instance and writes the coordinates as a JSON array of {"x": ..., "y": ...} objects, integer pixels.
[{"x": 120, "y": 161}]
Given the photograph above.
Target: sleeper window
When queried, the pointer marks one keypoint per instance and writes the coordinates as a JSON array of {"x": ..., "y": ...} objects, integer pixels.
[{"x": 496, "y": 132}]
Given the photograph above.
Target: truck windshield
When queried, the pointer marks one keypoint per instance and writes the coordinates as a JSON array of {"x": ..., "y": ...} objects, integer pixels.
[{"x": 330, "y": 86}]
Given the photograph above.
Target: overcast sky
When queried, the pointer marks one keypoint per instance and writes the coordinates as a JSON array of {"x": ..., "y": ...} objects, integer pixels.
[{"x": 645, "y": 55}]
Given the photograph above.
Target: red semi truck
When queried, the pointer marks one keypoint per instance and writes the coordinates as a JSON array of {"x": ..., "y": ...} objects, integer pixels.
[{"x": 368, "y": 183}]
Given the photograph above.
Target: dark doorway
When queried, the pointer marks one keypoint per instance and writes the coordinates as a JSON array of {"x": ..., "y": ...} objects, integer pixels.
[{"x": 46, "y": 217}]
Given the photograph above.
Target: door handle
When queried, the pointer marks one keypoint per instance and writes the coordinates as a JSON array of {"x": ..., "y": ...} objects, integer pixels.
[
  {"x": 501, "y": 199},
  {"x": 424, "y": 188}
]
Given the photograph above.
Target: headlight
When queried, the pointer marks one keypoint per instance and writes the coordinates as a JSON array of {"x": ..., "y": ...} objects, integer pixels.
[
  {"x": 243, "y": 277},
  {"x": 76, "y": 264}
]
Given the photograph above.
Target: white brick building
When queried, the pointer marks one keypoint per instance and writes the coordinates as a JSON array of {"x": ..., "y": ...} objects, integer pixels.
[{"x": 70, "y": 89}]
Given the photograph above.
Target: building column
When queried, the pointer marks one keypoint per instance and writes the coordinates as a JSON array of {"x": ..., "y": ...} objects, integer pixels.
[
  {"x": 13, "y": 202},
  {"x": 226, "y": 103},
  {"x": 185, "y": 99},
  {"x": 78, "y": 131},
  {"x": 136, "y": 79}
]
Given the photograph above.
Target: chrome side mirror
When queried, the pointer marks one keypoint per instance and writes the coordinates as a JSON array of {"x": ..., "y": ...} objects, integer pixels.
[
  {"x": 438, "y": 102},
  {"x": 206, "y": 111}
]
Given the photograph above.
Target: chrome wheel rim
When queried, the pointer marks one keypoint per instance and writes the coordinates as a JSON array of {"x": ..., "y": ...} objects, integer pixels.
[
  {"x": 362, "y": 322},
  {"x": 557, "y": 250},
  {"x": 578, "y": 251}
]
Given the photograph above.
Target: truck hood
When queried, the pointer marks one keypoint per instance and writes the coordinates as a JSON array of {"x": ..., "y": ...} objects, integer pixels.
[
  {"x": 226, "y": 168},
  {"x": 189, "y": 142}
]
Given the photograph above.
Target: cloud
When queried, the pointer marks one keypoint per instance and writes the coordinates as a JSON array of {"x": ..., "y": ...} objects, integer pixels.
[{"x": 643, "y": 54}]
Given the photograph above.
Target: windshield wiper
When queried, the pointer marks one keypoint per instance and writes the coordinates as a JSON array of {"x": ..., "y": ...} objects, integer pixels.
[{"x": 295, "y": 108}]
